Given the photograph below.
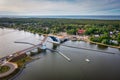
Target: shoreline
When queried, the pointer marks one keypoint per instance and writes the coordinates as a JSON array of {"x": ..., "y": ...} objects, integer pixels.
[
  {"x": 118, "y": 47},
  {"x": 22, "y": 68},
  {"x": 86, "y": 39},
  {"x": 70, "y": 36},
  {"x": 19, "y": 69}
]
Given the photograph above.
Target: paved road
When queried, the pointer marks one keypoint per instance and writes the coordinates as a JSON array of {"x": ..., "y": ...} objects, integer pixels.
[{"x": 12, "y": 66}]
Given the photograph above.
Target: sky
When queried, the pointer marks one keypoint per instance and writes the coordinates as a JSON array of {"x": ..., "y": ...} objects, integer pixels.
[{"x": 59, "y": 7}]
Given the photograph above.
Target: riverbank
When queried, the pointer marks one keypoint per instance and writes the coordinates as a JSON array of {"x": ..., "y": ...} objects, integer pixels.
[
  {"x": 14, "y": 70},
  {"x": 104, "y": 44},
  {"x": 86, "y": 39},
  {"x": 22, "y": 67}
]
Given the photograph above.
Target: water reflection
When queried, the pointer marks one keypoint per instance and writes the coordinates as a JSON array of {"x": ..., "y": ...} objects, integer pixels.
[
  {"x": 101, "y": 47},
  {"x": 119, "y": 49}
]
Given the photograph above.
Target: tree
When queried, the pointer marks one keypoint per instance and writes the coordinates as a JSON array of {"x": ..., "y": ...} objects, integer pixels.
[
  {"x": 118, "y": 38},
  {"x": 105, "y": 41},
  {"x": 105, "y": 36}
]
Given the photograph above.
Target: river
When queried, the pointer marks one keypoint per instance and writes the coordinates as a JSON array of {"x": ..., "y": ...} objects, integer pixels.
[{"x": 52, "y": 66}]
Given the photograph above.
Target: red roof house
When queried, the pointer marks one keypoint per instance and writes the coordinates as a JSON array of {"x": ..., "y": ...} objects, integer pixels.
[{"x": 81, "y": 31}]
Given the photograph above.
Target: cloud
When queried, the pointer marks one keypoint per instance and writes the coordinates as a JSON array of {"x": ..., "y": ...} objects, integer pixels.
[{"x": 59, "y": 7}]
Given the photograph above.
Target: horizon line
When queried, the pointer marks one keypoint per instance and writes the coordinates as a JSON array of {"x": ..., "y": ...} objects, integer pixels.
[{"x": 63, "y": 15}]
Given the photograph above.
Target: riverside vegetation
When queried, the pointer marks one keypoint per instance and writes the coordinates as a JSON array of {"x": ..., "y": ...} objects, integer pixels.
[{"x": 101, "y": 31}]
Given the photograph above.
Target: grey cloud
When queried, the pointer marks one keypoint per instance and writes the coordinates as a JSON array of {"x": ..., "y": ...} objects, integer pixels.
[{"x": 58, "y": 6}]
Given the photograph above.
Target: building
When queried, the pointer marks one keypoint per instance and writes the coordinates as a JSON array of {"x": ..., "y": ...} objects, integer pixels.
[{"x": 80, "y": 31}]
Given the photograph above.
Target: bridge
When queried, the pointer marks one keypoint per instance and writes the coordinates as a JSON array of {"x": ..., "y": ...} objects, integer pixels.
[
  {"x": 6, "y": 61},
  {"x": 39, "y": 48},
  {"x": 24, "y": 51}
]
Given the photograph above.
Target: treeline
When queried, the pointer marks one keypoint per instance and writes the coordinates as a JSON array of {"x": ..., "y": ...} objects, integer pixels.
[
  {"x": 107, "y": 31},
  {"x": 65, "y": 21},
  {"x": 56, "y": 25}
]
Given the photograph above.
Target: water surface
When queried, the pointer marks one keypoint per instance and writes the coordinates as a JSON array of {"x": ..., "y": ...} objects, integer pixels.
[{"x": 52, "y": 66}]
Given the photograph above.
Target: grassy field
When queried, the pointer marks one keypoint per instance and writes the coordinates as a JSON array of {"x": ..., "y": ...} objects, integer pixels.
[{"x": 4, "y": 69}]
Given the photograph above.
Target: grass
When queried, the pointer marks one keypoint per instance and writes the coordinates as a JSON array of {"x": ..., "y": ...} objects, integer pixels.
[
  {"x": 4, "y": 69},
  {"x": 22, "y": 61}
]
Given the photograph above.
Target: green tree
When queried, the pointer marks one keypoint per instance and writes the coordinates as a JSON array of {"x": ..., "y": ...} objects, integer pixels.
[
  {"x": 118, "y": 38},
  {"x": 105, "y": 41}
]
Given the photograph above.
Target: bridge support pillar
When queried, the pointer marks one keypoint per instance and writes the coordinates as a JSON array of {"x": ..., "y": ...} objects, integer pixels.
[
  {"x": 39, "y": 50},
  {"x": 54, "y": 46}
]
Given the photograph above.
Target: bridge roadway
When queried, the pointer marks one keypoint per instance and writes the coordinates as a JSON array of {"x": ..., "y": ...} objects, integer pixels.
[
  {"x": 5, "y": 60},
  {"x": 9, "y": 57},
  {"x": 23, "y": 51},
  {"x": 29, "y": 49}
]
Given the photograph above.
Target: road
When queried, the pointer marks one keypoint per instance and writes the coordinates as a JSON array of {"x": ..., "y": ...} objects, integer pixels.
[{"x": 12, "y": 66}]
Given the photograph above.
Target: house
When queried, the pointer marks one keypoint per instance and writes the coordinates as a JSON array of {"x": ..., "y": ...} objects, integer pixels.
[
  {"x": 111, "y": 32},
  {"x": 97, "y": 35},
  {"x": 114, "y": 41},
  {"x": 80, "y": 31}
]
